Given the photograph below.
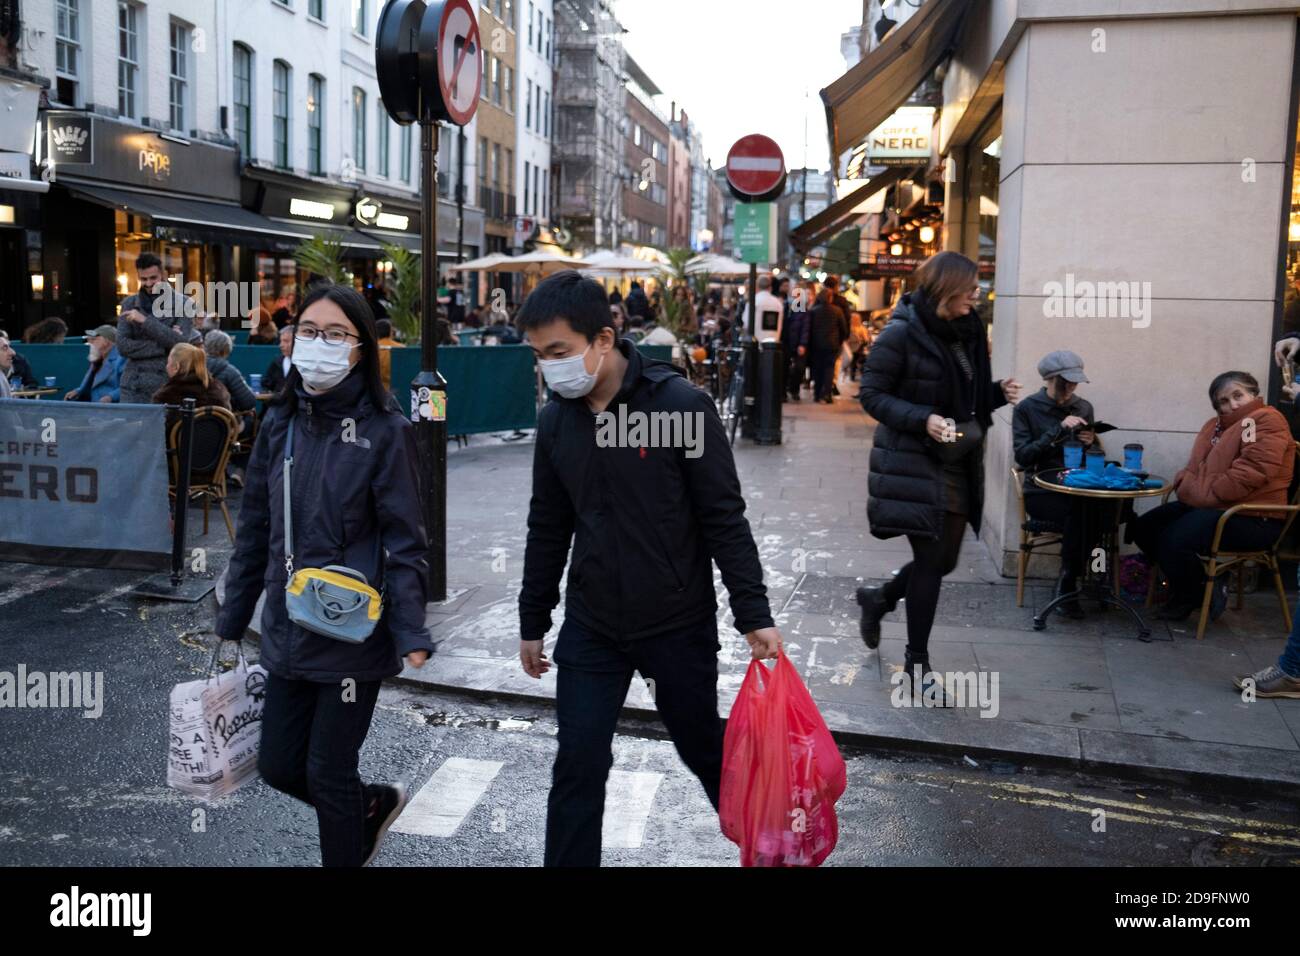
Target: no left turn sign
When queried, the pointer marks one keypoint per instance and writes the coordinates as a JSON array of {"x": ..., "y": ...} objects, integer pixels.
[{"x": 460, "y": 72}]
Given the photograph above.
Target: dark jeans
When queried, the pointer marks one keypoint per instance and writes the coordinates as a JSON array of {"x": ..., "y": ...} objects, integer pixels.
[
  {"x": 1174, "y": 534},
  {"x": 311, "y": 739},
  {"x": 921, "y": 578},
  {"x": 593, "y": 677},
  {"x": 822, "y": 365}
]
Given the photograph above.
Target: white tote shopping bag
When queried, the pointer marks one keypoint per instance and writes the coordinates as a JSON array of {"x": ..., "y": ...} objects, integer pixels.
[{"x": 216, "y": 726}]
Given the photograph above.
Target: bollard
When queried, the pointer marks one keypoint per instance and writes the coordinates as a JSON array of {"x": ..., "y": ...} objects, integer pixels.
[
  {"x": 771, "y": 387},
  {"x": 750, "y": 360}
]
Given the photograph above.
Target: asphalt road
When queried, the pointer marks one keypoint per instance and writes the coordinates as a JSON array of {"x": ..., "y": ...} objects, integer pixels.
[{"x": 76, "y": 791}]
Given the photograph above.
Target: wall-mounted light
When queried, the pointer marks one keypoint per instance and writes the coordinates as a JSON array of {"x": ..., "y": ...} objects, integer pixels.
[
  {"x": 7, "y": 215},
  {"x": 122, "y": 284},
  {"x": 38, "y": 284},
  {"x": 896, "y": 249},
  {"x": 927, "y": 234}
]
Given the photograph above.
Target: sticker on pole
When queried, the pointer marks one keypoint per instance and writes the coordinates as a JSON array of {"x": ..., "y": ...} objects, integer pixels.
[
  {"x": 755, "y": 165},
  {"x": 451, "y": 63},
  {"x": 428, "y": 404}
]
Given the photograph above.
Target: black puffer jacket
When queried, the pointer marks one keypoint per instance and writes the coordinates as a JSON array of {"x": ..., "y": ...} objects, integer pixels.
[
  {"x": 902, "y": 386},
  {"x": 349, "y": 499},
  {"x": 646, "y": 524},
  {"x": 1037, "y": 436}
]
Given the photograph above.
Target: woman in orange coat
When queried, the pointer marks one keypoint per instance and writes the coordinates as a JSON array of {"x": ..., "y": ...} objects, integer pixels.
[{"x": 1244, "y": 455}]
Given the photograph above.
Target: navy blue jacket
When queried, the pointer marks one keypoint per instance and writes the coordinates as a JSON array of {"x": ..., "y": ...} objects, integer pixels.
[
  {"x": 796, "y": 329},
  {"x": 646, "y": 524},
  {"x": 349, "y": 497}
]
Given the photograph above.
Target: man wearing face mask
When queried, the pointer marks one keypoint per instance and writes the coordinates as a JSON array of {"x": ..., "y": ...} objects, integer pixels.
[
  {"x": 646, "y": 525},
  {"x": 104, "y": 377}
]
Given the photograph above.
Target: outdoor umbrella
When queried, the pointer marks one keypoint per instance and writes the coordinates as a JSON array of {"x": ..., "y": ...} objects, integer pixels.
[
  {"x": 608, "y": 263},
  {"x": 539, "y": 263},
  {"x": 717, "y": 265},
  {"x": 487, "y": 263}
]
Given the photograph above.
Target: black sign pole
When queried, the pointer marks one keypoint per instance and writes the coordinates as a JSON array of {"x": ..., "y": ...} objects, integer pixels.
[
  {"x": 185, "y": 460},
  {"x": 431, "y": 430}
]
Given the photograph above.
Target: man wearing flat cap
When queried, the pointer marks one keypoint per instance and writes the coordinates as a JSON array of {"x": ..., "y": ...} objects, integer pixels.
[
  {"x": 1041, "y": 425},
  {"x": 103, "y": 379}
]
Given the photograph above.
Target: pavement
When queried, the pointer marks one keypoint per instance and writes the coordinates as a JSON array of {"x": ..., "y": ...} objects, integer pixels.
[{"x": 1086, "y": 695}]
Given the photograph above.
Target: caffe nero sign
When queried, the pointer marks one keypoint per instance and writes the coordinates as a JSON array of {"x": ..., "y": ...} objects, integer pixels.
[{"x": 100, "y": 148}]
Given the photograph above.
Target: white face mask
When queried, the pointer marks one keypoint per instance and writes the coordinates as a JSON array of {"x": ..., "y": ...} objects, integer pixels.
[
  {"x": 568, "y": 377},
  {"x": 321, "y": 364}
]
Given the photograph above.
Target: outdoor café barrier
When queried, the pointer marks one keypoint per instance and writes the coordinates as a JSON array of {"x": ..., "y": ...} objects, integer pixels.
[
  {"x": 84, "y": 484},
  {"x": 489, "y": 388}
]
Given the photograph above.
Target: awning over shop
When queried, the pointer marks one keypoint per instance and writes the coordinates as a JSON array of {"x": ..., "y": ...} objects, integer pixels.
[
  {"x": 182, "y": 211},
  {"x": 841, "y": 213},
  {"x": 868, "y": 94}
]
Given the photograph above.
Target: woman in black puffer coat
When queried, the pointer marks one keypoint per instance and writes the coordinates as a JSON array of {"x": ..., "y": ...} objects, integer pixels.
[{"x": 928, "y": 384}]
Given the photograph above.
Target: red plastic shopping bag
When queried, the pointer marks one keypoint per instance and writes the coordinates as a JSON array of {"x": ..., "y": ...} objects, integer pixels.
[{"x": 781, "y": 772}]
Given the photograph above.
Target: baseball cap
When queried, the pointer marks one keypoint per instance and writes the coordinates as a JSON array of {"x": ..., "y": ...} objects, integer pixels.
[
  {"x": 104, "y": 331},
  {"x": 1064, "y": 363}
]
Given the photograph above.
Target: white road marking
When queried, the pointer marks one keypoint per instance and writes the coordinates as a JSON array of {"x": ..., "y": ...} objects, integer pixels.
[
  {"x": 101, "y": 598},
  {"x": 628, "y": 799},
  {"x": 447, "y": 799},
  {"x": 39, "y": 581}
]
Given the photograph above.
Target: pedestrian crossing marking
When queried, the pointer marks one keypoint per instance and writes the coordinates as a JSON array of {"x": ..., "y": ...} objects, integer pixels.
[
  {"x": 447, "y": 798},
  {"x": 628, "y": 798}
]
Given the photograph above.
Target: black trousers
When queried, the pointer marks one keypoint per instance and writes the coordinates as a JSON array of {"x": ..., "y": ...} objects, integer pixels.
[
  {"x": 794, "y": 369},
  {"x": 920, "y": 580},
  {"x": 1068, "y": 513},
  {"x": 594, "y": 673},
  {"x": 1174, "y": 534},
  {"x": 821, "y": 362},
  {"x": 311, "y": 739}
]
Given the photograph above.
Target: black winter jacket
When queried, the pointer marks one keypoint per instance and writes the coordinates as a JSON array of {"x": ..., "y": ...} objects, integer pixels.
[
  {"x": 902, "y": 386},
  {"x": 1037, "y": 436},
  {"x": 349, "y": 498},
  {"x": 828, "y": 327},
  {"x": 645, "y": 523}
]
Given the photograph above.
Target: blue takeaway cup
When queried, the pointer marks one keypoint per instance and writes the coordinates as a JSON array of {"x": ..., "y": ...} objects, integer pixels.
[
  {"x": 50, "y": 381},
  {"x": 256, "y": 382},
  {"x": 1073, "y": 454},
  {"x": 1133, "y": 457},
  {"x": 1096, "y": 459}
]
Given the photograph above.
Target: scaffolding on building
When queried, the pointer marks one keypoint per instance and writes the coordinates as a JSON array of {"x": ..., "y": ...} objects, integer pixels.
[{"x": 589, "y": 108}]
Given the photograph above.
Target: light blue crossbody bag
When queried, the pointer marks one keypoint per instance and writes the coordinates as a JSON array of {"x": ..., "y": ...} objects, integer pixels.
[{"x": 333, "y": 601}]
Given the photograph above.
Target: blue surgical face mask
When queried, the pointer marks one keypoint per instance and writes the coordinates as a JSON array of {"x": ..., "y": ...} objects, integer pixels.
[{"x": 568, "y": 377}]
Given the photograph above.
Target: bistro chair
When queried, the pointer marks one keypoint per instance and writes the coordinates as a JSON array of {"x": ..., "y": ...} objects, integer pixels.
[
  {"x": 1220, "y": 562},
  {"x": 216, "y": 435},
  {"x": 1034, "y": 533}
]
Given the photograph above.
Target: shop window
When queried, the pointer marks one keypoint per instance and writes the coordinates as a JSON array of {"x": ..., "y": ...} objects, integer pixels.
[{"x": 980, "y": 185}]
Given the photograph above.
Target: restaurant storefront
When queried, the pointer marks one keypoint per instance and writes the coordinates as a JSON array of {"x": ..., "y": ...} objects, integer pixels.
[
  {"x": 1148, "y": 148},
  {"x": 118, "y": 190}
]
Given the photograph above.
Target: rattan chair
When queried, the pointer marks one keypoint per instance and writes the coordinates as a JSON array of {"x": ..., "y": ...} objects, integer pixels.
[{"x": 216, "y": 433}]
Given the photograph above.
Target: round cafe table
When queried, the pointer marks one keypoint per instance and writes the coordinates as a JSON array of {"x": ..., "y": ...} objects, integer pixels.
[
  {"x": 34, "y": 392},
  {"x": 1096, "y": 512}
]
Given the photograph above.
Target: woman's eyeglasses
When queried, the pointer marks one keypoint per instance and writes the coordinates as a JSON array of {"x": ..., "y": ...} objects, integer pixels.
[{"x": 307, "y": 333}]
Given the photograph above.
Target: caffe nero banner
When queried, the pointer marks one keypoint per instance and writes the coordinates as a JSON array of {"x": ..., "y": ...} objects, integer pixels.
[{"x": 84, "y": 485}]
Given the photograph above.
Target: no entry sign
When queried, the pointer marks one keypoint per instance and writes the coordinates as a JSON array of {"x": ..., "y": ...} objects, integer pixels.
[
  {"x": 459, "y": 68},
  {"x": 755, "y": 165}
]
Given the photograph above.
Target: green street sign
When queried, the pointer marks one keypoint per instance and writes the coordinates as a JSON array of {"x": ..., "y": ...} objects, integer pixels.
[{"x": 756, "y": 231}]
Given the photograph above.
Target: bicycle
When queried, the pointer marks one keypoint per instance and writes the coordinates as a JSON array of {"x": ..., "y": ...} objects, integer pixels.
[{"x": 733, "y": 404}]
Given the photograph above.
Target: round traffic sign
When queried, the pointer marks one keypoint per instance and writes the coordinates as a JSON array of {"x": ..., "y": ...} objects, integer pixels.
[
  {"x": 397, "y": 43},
  {"x": 755, "y": 165},
  {"x": 451, "y": 62}
]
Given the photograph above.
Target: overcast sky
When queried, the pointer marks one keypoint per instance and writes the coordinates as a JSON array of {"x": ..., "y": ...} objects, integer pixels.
[{"x": 743, "y": 66}]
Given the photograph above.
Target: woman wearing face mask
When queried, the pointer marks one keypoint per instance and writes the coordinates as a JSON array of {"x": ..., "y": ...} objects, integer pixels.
[
  {"x": 355, "y": 503},
  {"x": 1243, "y": 455},
  {"x": 928, "y": 385}
]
